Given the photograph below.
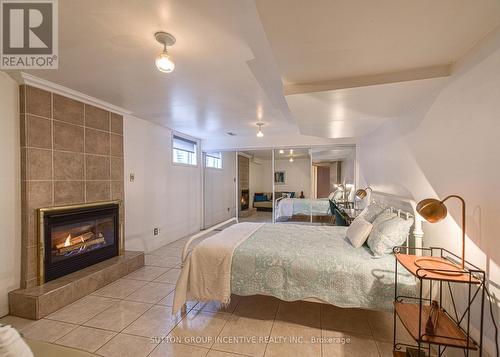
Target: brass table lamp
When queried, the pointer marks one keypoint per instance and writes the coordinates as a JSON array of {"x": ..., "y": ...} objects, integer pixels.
[{"x": 433, "y": 211}]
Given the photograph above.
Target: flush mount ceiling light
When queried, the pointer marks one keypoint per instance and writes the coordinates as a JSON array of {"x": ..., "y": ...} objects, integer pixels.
[
  {"x": 163, "y": 61},
  {"x": 260, "y": 134}
]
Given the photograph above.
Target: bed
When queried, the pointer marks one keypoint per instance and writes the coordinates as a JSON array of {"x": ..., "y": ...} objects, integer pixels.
[
  {"x": 294, "y": 208},
  {"x": 292, "y": 262}
]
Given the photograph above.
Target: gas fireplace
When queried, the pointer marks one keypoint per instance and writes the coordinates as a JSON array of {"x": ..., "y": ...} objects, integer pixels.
[
  {"x": 245, "y": 199},
  {"x": 74, "y": 237}
]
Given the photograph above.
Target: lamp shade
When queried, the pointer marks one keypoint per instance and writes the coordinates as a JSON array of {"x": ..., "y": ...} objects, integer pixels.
[{"x": 432, "y": 210}]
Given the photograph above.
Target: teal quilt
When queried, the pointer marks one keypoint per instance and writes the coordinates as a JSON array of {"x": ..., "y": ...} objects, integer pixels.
[{"x": 296, "y": 262}]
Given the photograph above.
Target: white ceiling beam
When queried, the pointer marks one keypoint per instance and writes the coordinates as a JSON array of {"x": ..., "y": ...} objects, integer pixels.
[{"x": 369, "y": 80}]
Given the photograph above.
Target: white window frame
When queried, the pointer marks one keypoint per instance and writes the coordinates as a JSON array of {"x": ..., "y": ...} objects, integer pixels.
[
  {"x": 207, "y": 155},
  {"x": 187, "y": 138}
]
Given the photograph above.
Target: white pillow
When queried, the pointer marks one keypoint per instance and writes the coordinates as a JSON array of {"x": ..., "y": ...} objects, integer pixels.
[
  {"x": 372, "y": 211},
  {"x": 388, "y": 232},
  {"x": 11, "y": 343},
  {"x": 358, "y": 232}
]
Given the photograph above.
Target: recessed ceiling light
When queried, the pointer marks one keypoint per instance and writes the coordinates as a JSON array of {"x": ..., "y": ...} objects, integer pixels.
[
  {"x": 282, "y": 151},
  {"x": 291, "y": 151},
  {"x": 260, "y": 134},
  {"x": 291, "y": 159},
  {"x": 163, "y": 61}
]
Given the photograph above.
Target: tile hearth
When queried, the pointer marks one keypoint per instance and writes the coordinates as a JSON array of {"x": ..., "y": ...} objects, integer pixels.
[
  {"x": 122, "y": 318},
  {"x": 40, "y": 301}
]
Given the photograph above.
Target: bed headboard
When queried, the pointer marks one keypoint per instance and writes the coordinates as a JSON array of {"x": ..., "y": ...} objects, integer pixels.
[{"x": 405, "y": 208}]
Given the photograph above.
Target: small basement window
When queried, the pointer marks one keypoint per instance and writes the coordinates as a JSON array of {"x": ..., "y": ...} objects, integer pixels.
[
  {"x": 213, "y": 160},
  {"x": 184, "y": 151}
]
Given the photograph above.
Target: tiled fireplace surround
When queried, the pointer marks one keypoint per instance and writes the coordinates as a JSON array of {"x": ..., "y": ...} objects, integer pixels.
[{"x": 71, "y": 153}]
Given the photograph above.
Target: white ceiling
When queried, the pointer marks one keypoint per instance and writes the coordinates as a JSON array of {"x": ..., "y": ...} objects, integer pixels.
[
  {"x": 231, "y": 60},
  {"x": 355, "y": 112},
  {"x": 327, "y": 39},
  {"x": 222, "y": 80}
]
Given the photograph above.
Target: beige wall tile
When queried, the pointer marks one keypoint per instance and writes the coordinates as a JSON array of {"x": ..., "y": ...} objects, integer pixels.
[
  {"x": 22, "y": 305},
  {"x": 68, "y": 110},
  {"x": 68, "y": 192},
  {"x": 68, "y": 137},
  {"x": 96, "y": 118},
  {"x": 22, "y": 103},
  {"x": 22, "y": 131},
  {"x": 116, "y": 123},
  {"x": 38, "y": 194},
  {"x": 38, "y": 102},
  {"x": 97, "y": 167},
  {"x": 114, "y": 272},
  {"x": 55, "y": 300},
  {"x": 31, "y": 229},
  {"x": 39, "y": 164},
  {"x": 98, "y": 191},
  {"x": 38, "y": 132},
  {"x": 68, "y": 166},
  {"x": 23, "y": 164},
  {"x": 31, "y": 261},
  {"x": 117, "y": 190},
  {"x": 117, "y": 168},
  {"x": 116, "y": 145},
  {"x": 88, "y": 284},
  {"x": 96, "y": 142}
]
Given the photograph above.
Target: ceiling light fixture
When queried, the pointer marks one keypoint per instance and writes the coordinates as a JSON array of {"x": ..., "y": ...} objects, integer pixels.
[
  {"x": 260, "y": 134},
  {"x": 291, "y": 159},
  {"x": 291, "y": 151},
  {"x": 282, "y": 151},
  {"x": 163, "y": 61}
]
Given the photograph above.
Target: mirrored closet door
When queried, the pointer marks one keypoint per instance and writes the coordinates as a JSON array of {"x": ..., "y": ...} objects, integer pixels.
[
  {"x": 292, "y": 185},
  {"x": 219, "y": 186},
  {"x": 255, "y": 186},
  {"x": 333, "y": 184}
]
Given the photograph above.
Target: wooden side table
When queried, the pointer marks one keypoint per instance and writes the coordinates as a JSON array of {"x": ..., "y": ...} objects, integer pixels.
[{"x": 452, "y": 330}]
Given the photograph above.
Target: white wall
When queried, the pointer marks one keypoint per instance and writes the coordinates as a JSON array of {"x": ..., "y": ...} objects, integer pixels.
[
  {"x": 163, "y": 195},
  {"x": 298, "y": 176},
  {"x": 220, "y": 190},
  {"x": 450, "y": 145},
  {"x": 10, "y": 190}
]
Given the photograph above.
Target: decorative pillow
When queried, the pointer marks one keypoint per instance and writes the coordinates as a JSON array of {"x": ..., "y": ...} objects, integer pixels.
[
  {"x": 358, "y": 232},
  {"x": 372, "y": 211},
  {"x": 11, "y": 343},
  {"x": 388, "y": 232},
  {"x": 260, "y": 198}
]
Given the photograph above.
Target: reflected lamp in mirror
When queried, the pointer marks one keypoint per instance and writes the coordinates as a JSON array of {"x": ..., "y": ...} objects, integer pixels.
[
  {"x": 433, "y": 211},
  {"x": 363, "y": 192}
]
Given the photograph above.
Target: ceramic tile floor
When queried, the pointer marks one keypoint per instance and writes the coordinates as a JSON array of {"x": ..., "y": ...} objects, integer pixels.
[{"x": 133, "y": 317}]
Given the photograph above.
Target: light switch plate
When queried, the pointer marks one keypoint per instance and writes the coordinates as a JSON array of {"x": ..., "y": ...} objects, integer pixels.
[{"x": 132, "y": 177}]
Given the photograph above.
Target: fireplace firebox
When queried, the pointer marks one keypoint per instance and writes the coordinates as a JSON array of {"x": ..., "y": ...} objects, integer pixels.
[{"x": 74, "y": 237}]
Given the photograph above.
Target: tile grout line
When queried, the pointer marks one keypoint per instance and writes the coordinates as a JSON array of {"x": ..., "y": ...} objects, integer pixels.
[{"x": 272, "y": 327}]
